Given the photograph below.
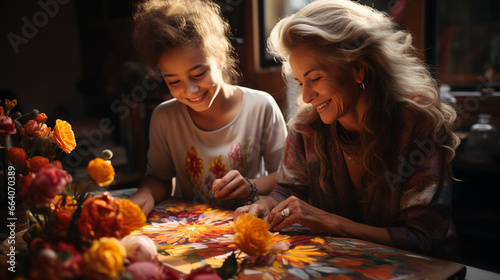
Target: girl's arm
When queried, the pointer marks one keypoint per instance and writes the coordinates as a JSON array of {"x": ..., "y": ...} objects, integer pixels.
[{"x": 151, "y": 191}]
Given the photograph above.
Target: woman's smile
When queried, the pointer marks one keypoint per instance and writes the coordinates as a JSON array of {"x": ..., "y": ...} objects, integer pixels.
[{"x": 323, "y": 106}]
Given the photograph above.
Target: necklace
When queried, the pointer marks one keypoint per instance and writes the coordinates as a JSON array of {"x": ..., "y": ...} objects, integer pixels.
[{"x": 349, "y": 146}]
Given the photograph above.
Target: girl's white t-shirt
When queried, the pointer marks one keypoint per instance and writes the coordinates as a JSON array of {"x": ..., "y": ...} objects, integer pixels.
[{"x": 251, "y": 143}]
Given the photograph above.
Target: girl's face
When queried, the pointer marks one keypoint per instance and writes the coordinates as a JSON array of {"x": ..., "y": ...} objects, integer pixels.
[
  {"x": 192, "y": 78},
  {"x": 332, "y": 91}
]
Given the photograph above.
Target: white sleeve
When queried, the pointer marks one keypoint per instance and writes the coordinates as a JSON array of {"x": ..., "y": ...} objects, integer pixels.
[
  {"x": 273, "y": 140},
  {"x": 160, "y": 164}
]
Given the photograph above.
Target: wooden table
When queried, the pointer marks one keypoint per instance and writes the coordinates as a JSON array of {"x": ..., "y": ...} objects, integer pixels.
[{"x": 191, "y": 235}]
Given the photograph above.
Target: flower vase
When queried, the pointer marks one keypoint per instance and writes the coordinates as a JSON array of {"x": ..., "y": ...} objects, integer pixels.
[{"x": 22, "y": 216}]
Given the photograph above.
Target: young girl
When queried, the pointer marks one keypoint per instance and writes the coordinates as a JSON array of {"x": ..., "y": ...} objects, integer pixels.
[{"x": 213, "y": 135}]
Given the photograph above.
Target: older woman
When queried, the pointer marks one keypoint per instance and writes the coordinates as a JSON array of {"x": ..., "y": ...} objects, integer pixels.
[{"x": 369, "y": 150}]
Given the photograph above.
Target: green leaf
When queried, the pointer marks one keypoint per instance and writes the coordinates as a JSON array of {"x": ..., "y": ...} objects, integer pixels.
[{"x": 229, "y": 268}]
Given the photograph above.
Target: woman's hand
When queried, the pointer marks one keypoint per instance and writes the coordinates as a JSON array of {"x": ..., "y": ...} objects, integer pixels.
[
  {"x": 294, "y": 210},
  {"x": 232, "y": 186}
]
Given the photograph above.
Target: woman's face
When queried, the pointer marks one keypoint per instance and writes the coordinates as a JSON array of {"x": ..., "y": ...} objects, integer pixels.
[
  {"x": 332, "y": 91},
  {"x": 192, "y": 78}
]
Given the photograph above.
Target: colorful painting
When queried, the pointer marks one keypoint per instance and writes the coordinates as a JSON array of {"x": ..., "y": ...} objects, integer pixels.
[{"x": 192, "y": 235}]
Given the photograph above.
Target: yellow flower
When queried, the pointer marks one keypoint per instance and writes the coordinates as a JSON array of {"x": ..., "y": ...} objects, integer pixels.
[
  {"x": 63, "y": 202},
  {"x": 104, "y": 259},
  {"x": 101, "y": 171},
  {"x": 64, "y": 136},
  {"x": 10, "y": 104},
  {"x": 133, "y": 217},
  {"x": 252, "y": 235}
]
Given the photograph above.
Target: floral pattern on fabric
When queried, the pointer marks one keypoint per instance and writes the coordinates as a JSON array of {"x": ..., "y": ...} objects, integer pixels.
[
  {"x": 194, "y": 165},
  {"x": 237, "y": 158},
  {"x": 218, "y": 168}
]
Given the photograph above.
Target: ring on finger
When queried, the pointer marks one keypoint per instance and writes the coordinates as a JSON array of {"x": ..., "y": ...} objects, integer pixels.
[{"x": 285, "y": 213}]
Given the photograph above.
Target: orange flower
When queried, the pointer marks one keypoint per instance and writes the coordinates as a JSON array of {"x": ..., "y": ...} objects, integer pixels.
[
  {"x": 1, "y": 111},
  {"x": 17, "y": 155},
  {"x": 100, "y": 217},
  {"x": 64, "y": 206},
  {"x": 101, "y": 171},
  {"x": 64, "y": 136},
  {"x": 104, "y": 259},
  {"x": 133, "y": 217},
  {"x": 252, "y": 235},
  {"x": 40, "y": 118},
  {"x": 36, "y": 163}
]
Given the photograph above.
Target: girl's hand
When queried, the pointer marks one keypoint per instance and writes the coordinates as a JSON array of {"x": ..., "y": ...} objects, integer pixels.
[
  {"x": 145, "y": 201},
  {"x": 232, "y": 186},
  {"x": 258, "y": 210},
  {"x": 293, "y": 210}
]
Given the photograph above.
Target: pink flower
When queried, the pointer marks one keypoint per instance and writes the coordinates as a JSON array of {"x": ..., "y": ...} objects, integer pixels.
[
  {"x": 48, "y": 182},
  {"x": 30, "y": 128},
  {"x": 235, "y": 154},
  {"x": 7, "y": 125},
  {"x": 149, "y": 270},
  {"x": 139, "y": 248}
]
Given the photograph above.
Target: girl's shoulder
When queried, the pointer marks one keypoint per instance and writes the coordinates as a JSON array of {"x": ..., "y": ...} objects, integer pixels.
[
  {"x": 168, "y": 107},
  {"x": 257, "y": 96}
]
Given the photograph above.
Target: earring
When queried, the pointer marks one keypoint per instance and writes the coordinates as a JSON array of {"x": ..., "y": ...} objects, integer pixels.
[{"x": 362, "y": 86}]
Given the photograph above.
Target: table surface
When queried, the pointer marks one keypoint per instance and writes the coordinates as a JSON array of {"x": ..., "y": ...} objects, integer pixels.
[{"x": 190, "y": 235}]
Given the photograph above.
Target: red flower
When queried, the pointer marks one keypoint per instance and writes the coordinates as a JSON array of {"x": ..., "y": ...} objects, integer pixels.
[
  {"x": 62, "y": 218},
  {"x": 27, "y": 183},
  {"x": 100, "y": 217},
  {"x": 17, "y": 155},
  {"x": 48, "y": 182},
  {"x": 61, "y": 261},
  {"x": 36, "y": 163},
  {"x": 57, "y": 164},
  {"x": 203, "y": 273},
  {"x": 30, "y": 128},
  {"x": 7, "y": 125}
]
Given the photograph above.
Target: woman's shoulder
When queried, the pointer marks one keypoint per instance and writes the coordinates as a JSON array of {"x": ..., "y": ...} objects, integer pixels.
[{"x": 414, "y": 122}]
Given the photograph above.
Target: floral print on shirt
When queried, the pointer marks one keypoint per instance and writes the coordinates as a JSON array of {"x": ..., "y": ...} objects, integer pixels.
[{"x": 194, "y": 165}]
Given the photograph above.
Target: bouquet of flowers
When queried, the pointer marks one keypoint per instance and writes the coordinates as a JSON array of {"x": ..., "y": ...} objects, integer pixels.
[
  {"x": 28, "y": 147},
  {"x": 81, "y": 236}
]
